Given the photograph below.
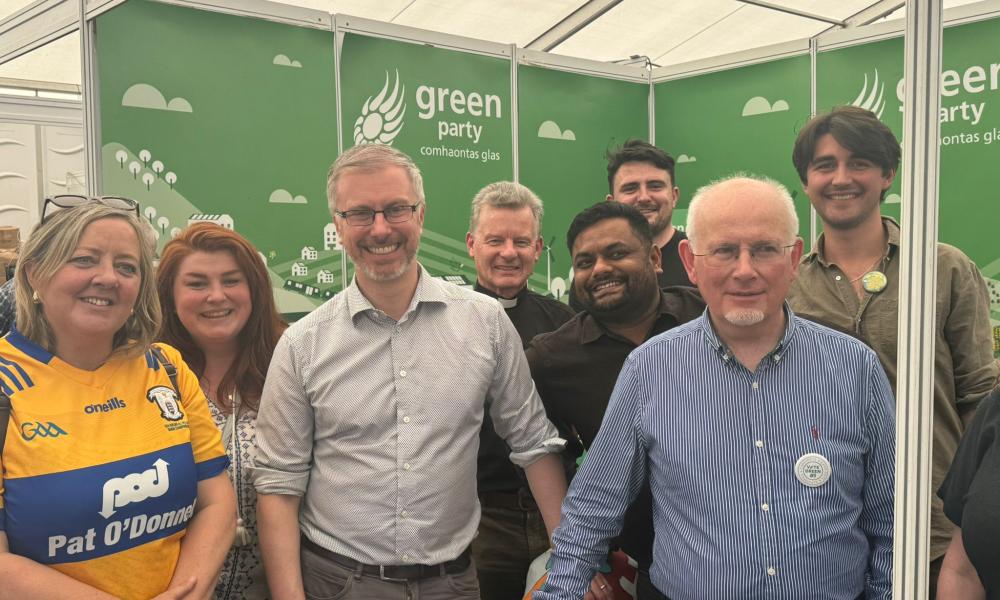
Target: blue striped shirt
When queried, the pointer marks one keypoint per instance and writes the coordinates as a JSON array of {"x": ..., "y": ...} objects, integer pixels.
[{"x": 720, "y": 444}]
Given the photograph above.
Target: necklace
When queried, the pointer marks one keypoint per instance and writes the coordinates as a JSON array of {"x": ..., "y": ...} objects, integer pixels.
[{"x": 869, "y": 269}]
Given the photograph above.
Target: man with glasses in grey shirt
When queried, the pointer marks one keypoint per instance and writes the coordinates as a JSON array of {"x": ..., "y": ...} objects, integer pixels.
[{"x": 369, "y": 420}]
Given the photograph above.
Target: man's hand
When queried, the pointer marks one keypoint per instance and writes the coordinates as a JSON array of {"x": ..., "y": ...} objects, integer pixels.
[{"x": 599, "y": 589}]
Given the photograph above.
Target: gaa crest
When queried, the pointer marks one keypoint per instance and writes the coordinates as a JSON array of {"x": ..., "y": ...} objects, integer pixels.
[{"x": 166, "y": 400}]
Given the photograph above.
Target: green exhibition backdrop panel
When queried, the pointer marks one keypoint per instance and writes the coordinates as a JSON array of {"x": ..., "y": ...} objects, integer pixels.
[
  {"x": 566, "y": 124},
  {"x": 867, "y": 76},
  {"x": 448, "y": 110},
  {"x": 206, "y": 116},
  {"x": 871, "y": 75},
  {"x": 743, "y": 119}
]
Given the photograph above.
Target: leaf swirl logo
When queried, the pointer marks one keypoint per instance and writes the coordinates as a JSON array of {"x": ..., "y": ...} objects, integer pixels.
[
  {"x": 873, "y": 100},
  {"x": 381, "y": 117}
]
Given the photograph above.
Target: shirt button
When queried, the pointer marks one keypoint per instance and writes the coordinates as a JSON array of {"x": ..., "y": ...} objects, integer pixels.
[
  {"x": 772, "y": 571},
  {"x": 406, "y": 419},
  {"x": 403, "y": 514},
  {"x": 399, "y": 330},
  {"x": 759, "y": 443},
  {"x": 754, "y": 385},
  {"x": 764, "y": 507},
  {"x": 406, "y": 466},
  {"x": 402, "y": 373},
  {"x": 405, "y": 557}
]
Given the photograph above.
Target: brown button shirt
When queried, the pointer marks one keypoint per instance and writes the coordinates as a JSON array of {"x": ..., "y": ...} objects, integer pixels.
[
  {"x": 965, "y": 369},
  {"x": 575, "y": 369}
]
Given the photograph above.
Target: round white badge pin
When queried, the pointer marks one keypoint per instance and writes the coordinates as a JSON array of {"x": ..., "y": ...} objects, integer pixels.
[{"x": 812, "y": 469}]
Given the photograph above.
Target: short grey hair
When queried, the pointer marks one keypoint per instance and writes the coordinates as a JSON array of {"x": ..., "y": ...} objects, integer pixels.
[
  {"x": 780, "y": 192},
  {"x": 510, "y": 195},
  {"x": 371, "y": 157}
]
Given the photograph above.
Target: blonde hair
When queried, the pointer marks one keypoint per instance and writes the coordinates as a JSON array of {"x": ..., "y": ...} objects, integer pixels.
[{"x": 49, "y": 248}]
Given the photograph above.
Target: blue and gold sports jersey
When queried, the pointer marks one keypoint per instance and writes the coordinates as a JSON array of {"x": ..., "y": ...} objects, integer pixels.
[{"x": 100, "y": 468}]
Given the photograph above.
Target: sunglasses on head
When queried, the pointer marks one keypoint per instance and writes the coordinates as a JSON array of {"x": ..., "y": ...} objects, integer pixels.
[{"x": 56, "y": 203}]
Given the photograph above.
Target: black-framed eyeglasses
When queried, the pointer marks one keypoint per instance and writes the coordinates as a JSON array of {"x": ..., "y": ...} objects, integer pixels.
[
  {"x": 54, "y": 204},
  {"x": 760, "y": 254},
  {"x": 362, "y": 217}
]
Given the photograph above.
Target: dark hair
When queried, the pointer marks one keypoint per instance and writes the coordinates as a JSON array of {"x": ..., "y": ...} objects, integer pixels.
[
  {"x": 638, "y": 151},
  {"x": 603, "y": 211},
  {"x": 854, "y": 128},
  {"x": 262, "y": 329}
]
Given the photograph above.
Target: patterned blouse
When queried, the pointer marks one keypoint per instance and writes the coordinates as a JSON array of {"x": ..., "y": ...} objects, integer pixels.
[{"x": 242, "y": 575}]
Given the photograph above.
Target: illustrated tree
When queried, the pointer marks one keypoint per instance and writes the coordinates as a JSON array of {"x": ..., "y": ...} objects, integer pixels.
[
  {"x": 271, "y": 255},
  {"x": 121, "y": 156},
  {"x": 150, "y": 213},
  {"x": 144, "y": 156},
  {"x": 175, "y": 231},
  {"x": 170, "y": 178},
  {"x": 148, "y": 178},
  {"x": 134, "y": 168},
  {"x": 163, "y": 223},
  {"x": 157, "y": 167}
]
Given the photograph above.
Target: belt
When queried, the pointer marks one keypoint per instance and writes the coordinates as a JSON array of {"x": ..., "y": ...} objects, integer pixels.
[
  {"x": 519, "y": 500},
  {"x": 401, "y": 573}
]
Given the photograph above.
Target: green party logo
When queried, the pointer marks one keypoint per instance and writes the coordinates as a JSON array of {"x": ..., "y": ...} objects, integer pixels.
[
  {"x": 874, "y": 99},
  {"x": 381, "y": 117}
]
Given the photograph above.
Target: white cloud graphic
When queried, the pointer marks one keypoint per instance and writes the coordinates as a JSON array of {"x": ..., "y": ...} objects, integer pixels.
[
  {"x": 893, "y": 199},
  {"x": 280, "y": 196},
  {"x": 758, "y": 105},
  {"x": 684, "y": 158},
  {"x": 550, "y": 130},
  {"x": 283, "y": 61},
  {"x": 143, "y": 95}
]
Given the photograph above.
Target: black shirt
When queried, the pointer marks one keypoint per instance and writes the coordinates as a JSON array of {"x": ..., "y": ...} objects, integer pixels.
[
  {"x": 674, "y": 272},
  {"x": 670, "y": 261},
  {"x": 575, "y": 369},
  {"x": 531, "y": 314},
  {"x": 971, "y": 493}
]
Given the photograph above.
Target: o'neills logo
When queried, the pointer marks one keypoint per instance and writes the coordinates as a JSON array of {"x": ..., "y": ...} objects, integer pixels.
[
  {"x": 381, "y": 117},
  {"x": 110, "y": 405}
]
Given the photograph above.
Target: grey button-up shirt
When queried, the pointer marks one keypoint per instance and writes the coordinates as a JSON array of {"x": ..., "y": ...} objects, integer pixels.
[{"x": 376, "y": 422}]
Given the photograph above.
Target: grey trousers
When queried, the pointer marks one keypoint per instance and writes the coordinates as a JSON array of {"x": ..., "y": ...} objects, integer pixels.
[{"x": 324, "y": 579}]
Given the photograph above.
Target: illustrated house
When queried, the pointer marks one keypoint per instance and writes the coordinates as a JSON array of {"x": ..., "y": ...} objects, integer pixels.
[
  {"x": 222, "y": 220},
  {"x": 324, "y": 276},
  {"x": 330, "y": 239},
  {"x": 299, "y": 270},
  {"x": 309, "y": 253}
]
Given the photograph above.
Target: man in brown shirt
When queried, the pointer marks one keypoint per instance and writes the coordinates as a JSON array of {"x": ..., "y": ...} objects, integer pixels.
[
  {"x": 847, "y": 160},
  {"x": 575, "y": 367}
]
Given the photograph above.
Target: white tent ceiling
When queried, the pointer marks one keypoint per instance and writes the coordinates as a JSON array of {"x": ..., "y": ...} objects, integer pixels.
[{"x": 668, "y": 32}]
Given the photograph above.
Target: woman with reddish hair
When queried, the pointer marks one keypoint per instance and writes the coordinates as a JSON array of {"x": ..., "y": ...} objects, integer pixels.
[{"x": 218, "y": 310}]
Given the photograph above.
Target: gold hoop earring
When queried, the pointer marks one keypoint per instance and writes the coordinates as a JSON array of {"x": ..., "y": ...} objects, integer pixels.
[{"x": 35, "y": 298}]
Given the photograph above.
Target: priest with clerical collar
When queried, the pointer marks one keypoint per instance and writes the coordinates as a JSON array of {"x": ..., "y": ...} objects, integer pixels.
[{"x": 505, "y": 241}]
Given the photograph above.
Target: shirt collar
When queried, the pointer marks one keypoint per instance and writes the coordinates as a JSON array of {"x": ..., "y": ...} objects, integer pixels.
[
  {"x": 591, "y": 329},
  {"x": 776, "y": 354},
  {"x": 428, "y": 289},
  {"x": 504, "y": 302},
  {"x": 891, "y": 228}
]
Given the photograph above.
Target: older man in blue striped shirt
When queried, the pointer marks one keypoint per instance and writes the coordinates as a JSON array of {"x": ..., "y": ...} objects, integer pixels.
[{"x": 768, "y": 440}]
